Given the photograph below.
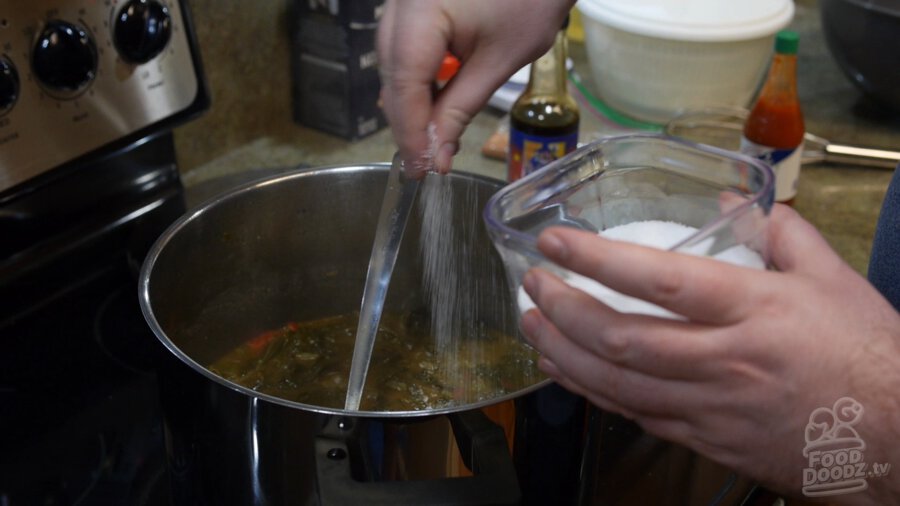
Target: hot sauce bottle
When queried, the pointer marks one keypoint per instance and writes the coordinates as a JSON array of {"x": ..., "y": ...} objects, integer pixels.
[
  {"x": 544, "y": 119},
  {"x": 774, "y": 130},
  {"x": 449, "y": 68}
]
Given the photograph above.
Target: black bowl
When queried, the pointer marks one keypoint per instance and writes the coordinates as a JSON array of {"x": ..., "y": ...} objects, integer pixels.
[{"x": 864, "y": 38}]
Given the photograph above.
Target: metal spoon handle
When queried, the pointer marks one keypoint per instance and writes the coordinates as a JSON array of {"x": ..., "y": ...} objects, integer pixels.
[
  {"x": 853, "y": 155},
  {"x": 395, "y": 208}
]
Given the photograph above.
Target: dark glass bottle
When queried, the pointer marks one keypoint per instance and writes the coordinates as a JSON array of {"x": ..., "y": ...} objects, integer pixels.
[{"x": 544, "y": 119}]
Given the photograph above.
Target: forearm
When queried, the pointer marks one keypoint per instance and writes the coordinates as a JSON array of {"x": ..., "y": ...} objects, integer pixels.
[
  {"x": 881, "y": 431},
  {"x": 863, "y": 455}
]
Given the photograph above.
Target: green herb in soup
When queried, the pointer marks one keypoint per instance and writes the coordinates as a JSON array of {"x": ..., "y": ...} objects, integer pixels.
[{"x": 309, "y": 362}]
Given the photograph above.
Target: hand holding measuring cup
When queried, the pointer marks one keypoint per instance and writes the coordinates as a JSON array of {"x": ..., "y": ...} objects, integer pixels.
[
  {"x": 754, "y": 351},
  {"x": 759, "y": 351}
]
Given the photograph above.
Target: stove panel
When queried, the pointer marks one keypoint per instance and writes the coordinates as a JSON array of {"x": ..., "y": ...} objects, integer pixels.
[{"x": 77, "y": 76}]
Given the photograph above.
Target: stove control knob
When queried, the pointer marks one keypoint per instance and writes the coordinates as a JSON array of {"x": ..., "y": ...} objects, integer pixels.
[
  {"x": 9, "y": 85},
  {"x": 142, "y": 29},
  {"x": 64, "y": 58}
]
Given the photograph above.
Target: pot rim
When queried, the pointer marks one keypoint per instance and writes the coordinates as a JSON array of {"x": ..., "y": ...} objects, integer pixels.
[{"x": 164, "y": 239}]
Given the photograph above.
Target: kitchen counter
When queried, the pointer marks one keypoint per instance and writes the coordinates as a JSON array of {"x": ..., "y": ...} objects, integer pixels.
[{"x": 242, "y": 134}]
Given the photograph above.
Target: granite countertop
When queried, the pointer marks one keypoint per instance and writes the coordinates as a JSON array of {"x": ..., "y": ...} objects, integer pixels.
[{"x": 842, "y": 201}]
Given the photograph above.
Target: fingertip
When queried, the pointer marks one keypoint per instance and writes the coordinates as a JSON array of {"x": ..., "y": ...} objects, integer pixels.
[
  {"x": 796, "y": 243},
  {"x": 443, "y": 159},
  {"x": 548, "y": 367},
  {"x": 551, "y": 244},
  {"x": 411, "y": 146},
  {"x": 415, "y": 173},
  {"x": 784, "y": 211},
  {"x": 528, "y": 324},
  {"x": 530, "y": 283}
]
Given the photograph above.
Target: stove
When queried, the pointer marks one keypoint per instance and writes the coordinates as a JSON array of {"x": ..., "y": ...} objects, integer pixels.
[{"x": 89, "y": 94}]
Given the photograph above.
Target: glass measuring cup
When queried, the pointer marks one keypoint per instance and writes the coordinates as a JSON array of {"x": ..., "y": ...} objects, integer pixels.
[{"x": 724, "y": 196}]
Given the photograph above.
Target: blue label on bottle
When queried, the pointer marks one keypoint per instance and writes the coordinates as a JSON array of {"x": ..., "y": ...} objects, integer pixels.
[
  {"x": 785, "y": 165},
  {"x": 528, "y": 153}
]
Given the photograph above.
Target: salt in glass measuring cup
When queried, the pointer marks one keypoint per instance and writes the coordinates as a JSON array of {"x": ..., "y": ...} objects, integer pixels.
[{"x": 725, "y": 197}]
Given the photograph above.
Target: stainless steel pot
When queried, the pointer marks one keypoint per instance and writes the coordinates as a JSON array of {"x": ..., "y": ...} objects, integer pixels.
[{"x": 290, "y": 248}]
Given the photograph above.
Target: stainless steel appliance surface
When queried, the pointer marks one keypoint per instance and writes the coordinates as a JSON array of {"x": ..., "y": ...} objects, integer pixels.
[
  {"x": 76, "y": 76},
  {"x": 89, "y": 93}
]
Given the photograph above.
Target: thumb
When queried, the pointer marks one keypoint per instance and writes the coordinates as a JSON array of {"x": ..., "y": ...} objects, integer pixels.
[{"x": 796, "y": 245}]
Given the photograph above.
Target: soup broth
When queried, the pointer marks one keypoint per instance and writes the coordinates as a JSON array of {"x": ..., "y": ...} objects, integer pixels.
[{"x": 309, "y": 362}]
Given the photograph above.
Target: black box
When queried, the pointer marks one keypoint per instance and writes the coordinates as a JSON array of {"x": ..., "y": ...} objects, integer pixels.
[{"x": 335, "y": 68}]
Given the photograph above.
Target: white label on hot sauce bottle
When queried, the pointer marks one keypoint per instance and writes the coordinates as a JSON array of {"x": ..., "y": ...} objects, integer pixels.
[{"x": 785, "y": 164}]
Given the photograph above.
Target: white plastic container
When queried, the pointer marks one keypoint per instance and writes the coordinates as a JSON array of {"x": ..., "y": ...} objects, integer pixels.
[{"x": 651, "y": 59}]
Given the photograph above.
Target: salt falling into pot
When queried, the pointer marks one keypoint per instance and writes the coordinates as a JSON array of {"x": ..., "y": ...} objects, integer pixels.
[
  {"x": 441, "y": 264},
  {"x": 461, "y": 306},
  {"x": 445, "y": 243},
  {"x": 438, "y": 246}
]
